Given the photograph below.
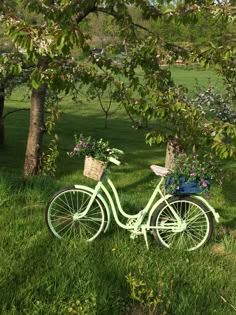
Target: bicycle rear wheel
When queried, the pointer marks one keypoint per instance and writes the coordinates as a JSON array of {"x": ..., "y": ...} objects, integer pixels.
[
  {"x": 66, "y": 217},
  {"x": 196, "y": 225}
]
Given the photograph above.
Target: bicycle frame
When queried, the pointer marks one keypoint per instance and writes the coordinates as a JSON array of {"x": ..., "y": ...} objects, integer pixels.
[
  {"x": 135, "y": 222},
  {"x": 117, "y": 205}
]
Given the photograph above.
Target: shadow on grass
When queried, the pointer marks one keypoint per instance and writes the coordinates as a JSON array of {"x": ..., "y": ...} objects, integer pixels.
[
  {"x": 120, "y": 134},
  {"x": 110, "y": 283},
  {"x": 14, "y": 288},
  {"x": 229, "y": 190}
]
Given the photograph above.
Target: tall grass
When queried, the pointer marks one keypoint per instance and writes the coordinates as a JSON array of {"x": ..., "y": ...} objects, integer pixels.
[{"x": 42, "y": 275}]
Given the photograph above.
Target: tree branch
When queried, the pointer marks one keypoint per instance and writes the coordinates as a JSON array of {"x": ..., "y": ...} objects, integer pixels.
[
  {"x": 89, "y": 7},
  {"x": 13, "y": 111},
  {"x": 136, "y": 25}
]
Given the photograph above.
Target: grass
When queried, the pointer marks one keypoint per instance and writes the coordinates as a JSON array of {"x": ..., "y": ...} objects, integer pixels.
[
  {"x": 42, "y": 275},
  {"x": 194, "y": 77}
]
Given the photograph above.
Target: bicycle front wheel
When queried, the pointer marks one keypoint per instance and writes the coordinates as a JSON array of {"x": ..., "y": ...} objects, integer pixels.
[
  {"x": 66, "y": 216},
  {"x": 192, "y": 231}
]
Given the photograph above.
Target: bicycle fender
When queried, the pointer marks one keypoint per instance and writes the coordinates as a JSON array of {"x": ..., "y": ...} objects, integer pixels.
[
  {"x": 91, "y": 190},
  {"x": 213, "y": 211},
  {"x": 215, "y": 214}
]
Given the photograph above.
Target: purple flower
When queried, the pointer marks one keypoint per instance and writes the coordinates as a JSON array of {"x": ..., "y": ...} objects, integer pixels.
[
  {"x": 76, "y": 149},
  {"x": 193, "y": 174},
  {"x": 204, "y": 184}
]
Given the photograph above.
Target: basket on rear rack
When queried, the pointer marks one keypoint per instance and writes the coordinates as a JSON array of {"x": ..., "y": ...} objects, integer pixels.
[{"x": 93, "y": 168}]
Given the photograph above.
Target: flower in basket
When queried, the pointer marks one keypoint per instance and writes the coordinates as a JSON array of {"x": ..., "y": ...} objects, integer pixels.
[
  {"x": 193, "y": 174},
  {"x": 97, "y": 149},
  {"x": 96, "y": 153}
]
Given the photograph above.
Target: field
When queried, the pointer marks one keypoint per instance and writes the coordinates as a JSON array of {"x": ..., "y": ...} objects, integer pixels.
[{"x": 42, "y": 275}]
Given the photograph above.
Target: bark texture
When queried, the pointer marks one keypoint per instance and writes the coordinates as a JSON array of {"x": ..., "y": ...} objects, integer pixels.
[
  {"x": 173, "y": 149},
  {"x": 36, "y": 129}
]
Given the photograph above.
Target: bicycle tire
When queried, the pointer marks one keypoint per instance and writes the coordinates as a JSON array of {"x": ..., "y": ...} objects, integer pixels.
[
  {"x": 64, "y": 214},
  {"x": 196, "y": 218}
]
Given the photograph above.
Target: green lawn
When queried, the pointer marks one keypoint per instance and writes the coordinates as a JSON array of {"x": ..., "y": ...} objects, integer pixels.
[
  {"x": 193, "y": 78},
  {"x": 42, "y": 275}
]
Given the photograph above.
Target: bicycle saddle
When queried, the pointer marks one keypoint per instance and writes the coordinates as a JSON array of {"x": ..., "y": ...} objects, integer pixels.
[{"x": 159, "y": 170}]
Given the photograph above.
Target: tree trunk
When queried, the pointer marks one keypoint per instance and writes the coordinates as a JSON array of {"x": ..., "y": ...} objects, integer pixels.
[
  {"x": 173, "y": 149},
  {"x": 2, "y": 99},
  {"x": 33, "y": 150},
  {"x": 106, "y": 120}
]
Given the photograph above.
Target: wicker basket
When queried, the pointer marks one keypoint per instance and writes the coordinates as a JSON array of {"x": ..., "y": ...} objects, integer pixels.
[{"x": 94, "y": 168}]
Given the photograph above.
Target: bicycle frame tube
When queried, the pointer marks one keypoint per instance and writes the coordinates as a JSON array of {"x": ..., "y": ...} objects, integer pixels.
[
  {"x": 140, "y": 215},
  {"x": 154, "y": 194},
  {"x": 163, "y": 198},
  {"x": 95, "y": 192},
  {"x": 103, "y": 201},
  {"x": 113, "y": 208},
  {"x": 126, "y": 215}
]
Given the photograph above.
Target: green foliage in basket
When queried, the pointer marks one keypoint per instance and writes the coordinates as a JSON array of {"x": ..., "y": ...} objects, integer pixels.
[
  {"x": 98, "y": 149},
  {"x": 201, "y": 169}
]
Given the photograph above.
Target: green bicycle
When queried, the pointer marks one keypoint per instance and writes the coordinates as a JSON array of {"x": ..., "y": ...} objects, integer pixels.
[{"x": 175, "y": 221}]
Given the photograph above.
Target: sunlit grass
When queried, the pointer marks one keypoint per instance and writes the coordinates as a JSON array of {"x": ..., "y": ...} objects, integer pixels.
[{"x": 42, "y": 275}]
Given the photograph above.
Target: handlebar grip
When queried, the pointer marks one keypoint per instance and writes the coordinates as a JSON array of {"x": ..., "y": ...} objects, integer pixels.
[{"x": 114, "y": 161}]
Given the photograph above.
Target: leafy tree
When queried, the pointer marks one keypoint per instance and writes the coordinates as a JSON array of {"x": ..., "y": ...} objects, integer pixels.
[
  {"x": 47, "y": 48},
  {"x": 11, "y": 76},
  {"x": 5, "y": 47},
  {"x": 14, "y": 71}
]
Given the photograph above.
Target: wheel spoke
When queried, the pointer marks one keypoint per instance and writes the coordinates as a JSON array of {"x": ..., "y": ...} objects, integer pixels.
[
  {"x": 63, "y": 220},
  {"x": 63, "y": 209},
  {"x": 64, "y": 227},
  {"x": 91, "y": 219},
  {"x": 195, "y": 228}
]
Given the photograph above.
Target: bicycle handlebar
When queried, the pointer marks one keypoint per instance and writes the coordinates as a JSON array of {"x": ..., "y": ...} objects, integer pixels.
[{"x": 114, "y": 161}]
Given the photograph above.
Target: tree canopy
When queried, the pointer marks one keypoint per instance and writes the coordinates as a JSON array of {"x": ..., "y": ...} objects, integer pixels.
[{"x": 46, "y": 45}]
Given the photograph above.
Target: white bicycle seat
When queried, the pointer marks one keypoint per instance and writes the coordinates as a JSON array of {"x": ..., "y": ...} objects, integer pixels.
[{"x": 159, "y": 170}]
